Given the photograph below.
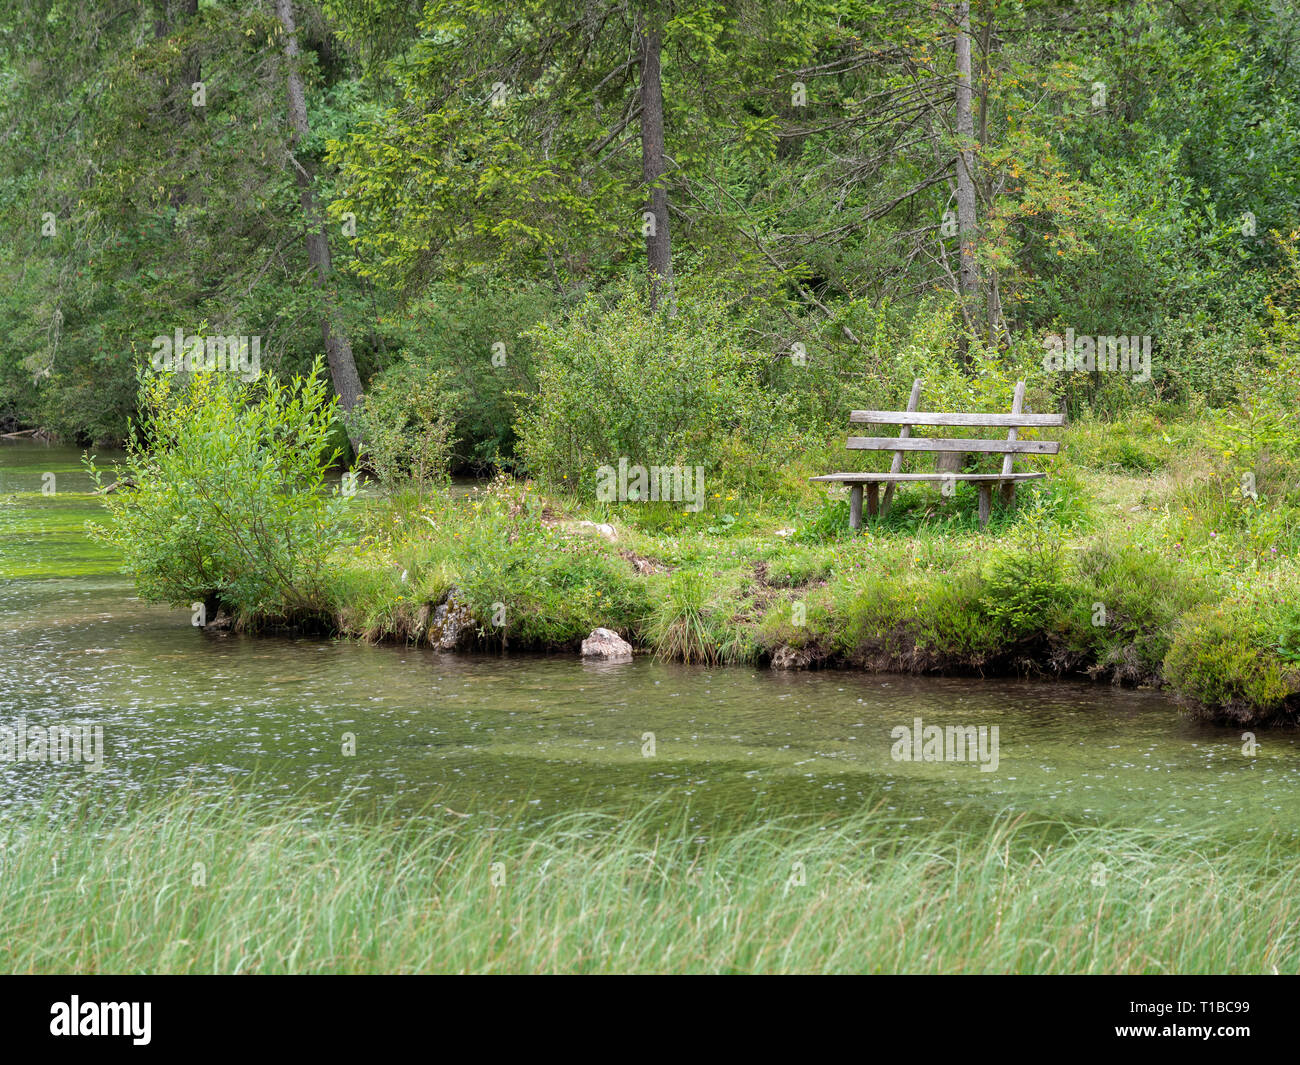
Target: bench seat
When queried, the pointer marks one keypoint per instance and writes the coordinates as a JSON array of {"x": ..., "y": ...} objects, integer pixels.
[
  {"x": 878, "y": 478},
  {"x": 868, "y": 484}
]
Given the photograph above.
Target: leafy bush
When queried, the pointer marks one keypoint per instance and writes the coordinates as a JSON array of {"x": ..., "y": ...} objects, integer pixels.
[
  {"x": 1260, "y": 436},
  {"x": 405, "y": 422},
  {"x": 1141, "y": 595},
  {"x": 229, "y": 504},
  {"x": 1286, "y": 628},
  {"x": 615, "y": 382},
  {"x": 472, "y": 332},
  {"x": 1218, "y": 658}
]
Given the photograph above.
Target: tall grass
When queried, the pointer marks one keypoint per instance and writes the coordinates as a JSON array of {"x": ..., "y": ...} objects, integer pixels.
[
  {"x": 679, "y": 624},
  {"x": 188, "y": 884}
]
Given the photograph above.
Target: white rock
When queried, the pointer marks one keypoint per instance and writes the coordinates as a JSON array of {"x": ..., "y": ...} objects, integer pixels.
[
  {"x": 599, "y": 528},
  {"x": 608, "y": 645},
  {"x": 452, "y": 623}
]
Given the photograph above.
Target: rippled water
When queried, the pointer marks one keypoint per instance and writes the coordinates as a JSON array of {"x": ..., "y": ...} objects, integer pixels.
[{"x": 483, "y": 734}]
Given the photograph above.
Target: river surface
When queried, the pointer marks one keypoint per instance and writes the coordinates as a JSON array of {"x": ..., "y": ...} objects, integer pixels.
[{"x": 490, "y": 736}]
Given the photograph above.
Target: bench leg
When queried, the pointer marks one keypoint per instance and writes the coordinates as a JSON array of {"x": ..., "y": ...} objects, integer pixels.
[
  {"x": 1008, "y": 492},
  {"x": 855, "y": 507},
  {"x": 986, "y": 503},
  {"x": 873, "y": 500}
]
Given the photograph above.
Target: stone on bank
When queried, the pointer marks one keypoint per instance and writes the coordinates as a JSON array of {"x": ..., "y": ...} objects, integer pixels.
[{"x": 607, "y": 645}]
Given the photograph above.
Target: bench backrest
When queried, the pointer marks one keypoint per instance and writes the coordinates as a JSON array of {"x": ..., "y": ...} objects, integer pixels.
[{"x": 1009, "y": 447}]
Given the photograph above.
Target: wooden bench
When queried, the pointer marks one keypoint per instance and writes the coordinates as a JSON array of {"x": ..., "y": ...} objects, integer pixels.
[{"x": 905, "y": 442}]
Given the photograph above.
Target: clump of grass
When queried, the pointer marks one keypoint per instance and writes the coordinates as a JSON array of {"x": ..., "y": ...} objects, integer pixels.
[
  {"x": 797, "y": 566},
  {"x": 679, "y": 625},
  {"x": 220, "y": 884}
]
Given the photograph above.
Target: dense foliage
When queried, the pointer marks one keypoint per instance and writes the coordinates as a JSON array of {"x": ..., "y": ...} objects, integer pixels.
[{"x": 478, "y": 170}]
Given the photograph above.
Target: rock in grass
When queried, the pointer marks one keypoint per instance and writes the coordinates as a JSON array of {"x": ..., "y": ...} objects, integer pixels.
[
  {"x": 451, "y": 624},
  {"x": 608, "y": 645},
  {"x": 600, "y": 529}
]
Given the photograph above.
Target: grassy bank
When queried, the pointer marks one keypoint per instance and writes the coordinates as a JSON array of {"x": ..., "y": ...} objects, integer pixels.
[
  {"x": 184, "y": 884},
  {"x": 1137, "y": 561},
  {"x": 1161, "y": 549}
]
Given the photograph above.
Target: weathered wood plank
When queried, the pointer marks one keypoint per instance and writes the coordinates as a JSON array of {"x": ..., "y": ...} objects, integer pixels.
[
  {"x": 897, "y": 465},
  {"x": 890, "y": 443},
  {"x": 1008, "y": 463},
  {"x": 887, "y": 478},
  {"x": 995, "y": 421},
  {"x": 947, "y": 450}
]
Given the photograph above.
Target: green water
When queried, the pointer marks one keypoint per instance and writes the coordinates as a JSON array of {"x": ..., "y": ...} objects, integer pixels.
[{"x": 485, "y": 735}]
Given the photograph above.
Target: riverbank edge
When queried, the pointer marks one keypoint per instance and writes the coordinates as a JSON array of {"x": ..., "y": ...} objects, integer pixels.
[{"x": 449, "y": 626}]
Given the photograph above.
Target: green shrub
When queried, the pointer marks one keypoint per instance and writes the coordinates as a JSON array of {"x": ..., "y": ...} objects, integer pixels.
[
  {"x": 616, "y": 382},
  {"x": 405, "y": 422},
  {"x": 229, "y": 504},
  {"x": 1025, "y": 586},
  {"x": 1258, "y": 438},
  {"x": 1129, "y": 601},
  {"x": 471, "y": 332},
  {"x": 1219, "y": 659},
  {"x": 1286, "y": 632},
  {"x": 915, "y": 621}
]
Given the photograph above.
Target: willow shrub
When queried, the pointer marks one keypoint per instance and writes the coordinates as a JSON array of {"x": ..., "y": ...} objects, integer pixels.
[
  {"x": 617, "y": 382},
  {"x": 405, "y": 422},
  {"x": 229, "y": 504}
]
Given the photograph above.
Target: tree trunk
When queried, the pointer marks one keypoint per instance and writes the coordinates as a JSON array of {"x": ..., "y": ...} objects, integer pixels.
[
  {"x": 997, "y": 318},
  {"x": 969, "y": 270},
  {"x": 658, "y": 242},
  {"x": 193, "y": 67},
  {"x": 338, "y": 349}
]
